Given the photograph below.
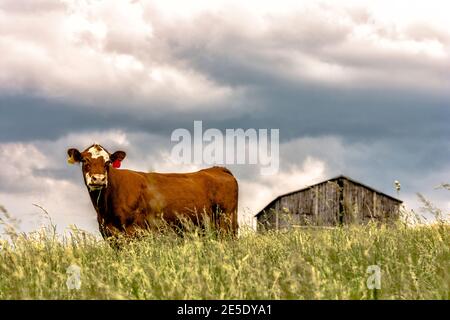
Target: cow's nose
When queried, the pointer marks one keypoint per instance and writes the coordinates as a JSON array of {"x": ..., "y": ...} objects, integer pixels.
[{"x": 98, "y": 178}]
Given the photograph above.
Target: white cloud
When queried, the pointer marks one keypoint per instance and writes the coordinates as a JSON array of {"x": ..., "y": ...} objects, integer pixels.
[
  {"x": 147, "y": 54},
  {"x": 75, "y": 55},
  {"x": 25, "y": 183},
  {"x": 347, "y": 45},
  {"x": 18, "y": 162},
  {"x": 258, "y": 192}
]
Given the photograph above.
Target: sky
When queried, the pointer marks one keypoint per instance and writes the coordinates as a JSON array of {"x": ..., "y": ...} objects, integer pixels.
[{"x": 359, "y": 88}]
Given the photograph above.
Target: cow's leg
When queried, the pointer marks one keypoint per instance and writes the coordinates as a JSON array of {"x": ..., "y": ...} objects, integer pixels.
[
  {"x": 111, "y": 236},
  {"x": 216, "y": 212},
  {"x": 225, "y": 220}
]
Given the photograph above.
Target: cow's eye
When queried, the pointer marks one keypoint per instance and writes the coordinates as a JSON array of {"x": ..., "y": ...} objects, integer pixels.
[{"x": 87, "y": 166}]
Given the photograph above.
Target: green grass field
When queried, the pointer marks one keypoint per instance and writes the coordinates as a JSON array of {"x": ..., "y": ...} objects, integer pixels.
[{"x": 298, "y": 264}]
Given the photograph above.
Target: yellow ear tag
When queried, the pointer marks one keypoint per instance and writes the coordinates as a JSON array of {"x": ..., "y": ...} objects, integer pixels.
[{"x": 70, "y": 160}]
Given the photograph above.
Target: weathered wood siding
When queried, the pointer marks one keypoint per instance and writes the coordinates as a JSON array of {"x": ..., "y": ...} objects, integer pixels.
[
  {"x": 328, "y": 204},
  {"x": 362, "y": 205},
  {"x": 318, "y": 205}
]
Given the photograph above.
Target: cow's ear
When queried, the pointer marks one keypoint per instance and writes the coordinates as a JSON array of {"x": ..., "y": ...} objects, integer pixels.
[
  {"x": 118, "y": 155},
  {"x": 74, "y": 156}
]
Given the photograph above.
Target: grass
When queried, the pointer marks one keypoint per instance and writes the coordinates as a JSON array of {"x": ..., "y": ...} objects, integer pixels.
[{"x": 297, "y": 264}]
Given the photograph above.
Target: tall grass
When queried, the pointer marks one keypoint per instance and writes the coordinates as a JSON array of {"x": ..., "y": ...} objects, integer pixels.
[{"x": 296, "y": 264}]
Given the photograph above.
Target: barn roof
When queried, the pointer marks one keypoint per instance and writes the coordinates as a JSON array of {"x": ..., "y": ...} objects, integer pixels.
[{"x": 332, "y": 179}]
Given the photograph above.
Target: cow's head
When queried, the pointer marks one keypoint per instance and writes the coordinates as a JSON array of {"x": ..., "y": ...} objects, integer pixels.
[{"x": 96, "y": 162}]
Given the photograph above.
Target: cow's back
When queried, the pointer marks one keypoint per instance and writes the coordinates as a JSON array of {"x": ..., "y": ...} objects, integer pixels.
[{"x": 212, "y": 191}]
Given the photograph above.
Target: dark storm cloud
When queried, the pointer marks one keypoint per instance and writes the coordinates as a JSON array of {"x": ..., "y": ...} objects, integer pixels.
[
  {"x": 411, "y": 121},
  {"x": 29, "y": 118},
  {"x": 297, "y": 111}
]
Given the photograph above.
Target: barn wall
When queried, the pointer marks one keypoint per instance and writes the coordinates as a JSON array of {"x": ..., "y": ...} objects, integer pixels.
[
  {"x": 267, "y": 220},
  {"x": 318, "y": 205},
  {"x": 362, "y": 204},
  {"x": 325, "y": 205}
]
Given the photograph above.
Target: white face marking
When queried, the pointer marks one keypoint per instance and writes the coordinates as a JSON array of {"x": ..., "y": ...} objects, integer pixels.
[
  {"x": 100, "y": 180},
  {"x": 98, "y": 153},
  {"x": 97, "y": 181}
]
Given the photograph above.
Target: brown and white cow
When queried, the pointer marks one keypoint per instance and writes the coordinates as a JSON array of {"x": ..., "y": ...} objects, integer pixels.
[{"x": 127, "y": 200}]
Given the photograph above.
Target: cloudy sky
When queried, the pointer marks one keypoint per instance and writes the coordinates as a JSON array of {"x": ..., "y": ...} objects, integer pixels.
[{"x": 359, "y": 88}]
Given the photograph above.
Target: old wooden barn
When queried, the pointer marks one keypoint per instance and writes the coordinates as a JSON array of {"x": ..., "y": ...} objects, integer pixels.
[{"x": 336, "y": 201}]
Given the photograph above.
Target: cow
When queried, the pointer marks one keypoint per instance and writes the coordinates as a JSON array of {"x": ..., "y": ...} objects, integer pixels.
[{"x": 127, "y": 201}]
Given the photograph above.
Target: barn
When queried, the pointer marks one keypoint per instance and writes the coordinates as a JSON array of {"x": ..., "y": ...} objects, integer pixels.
[{"x": 337, "y": 201}]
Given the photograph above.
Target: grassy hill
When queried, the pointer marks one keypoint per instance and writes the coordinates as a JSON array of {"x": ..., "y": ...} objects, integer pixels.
[{"x": 297, "y": 264}]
